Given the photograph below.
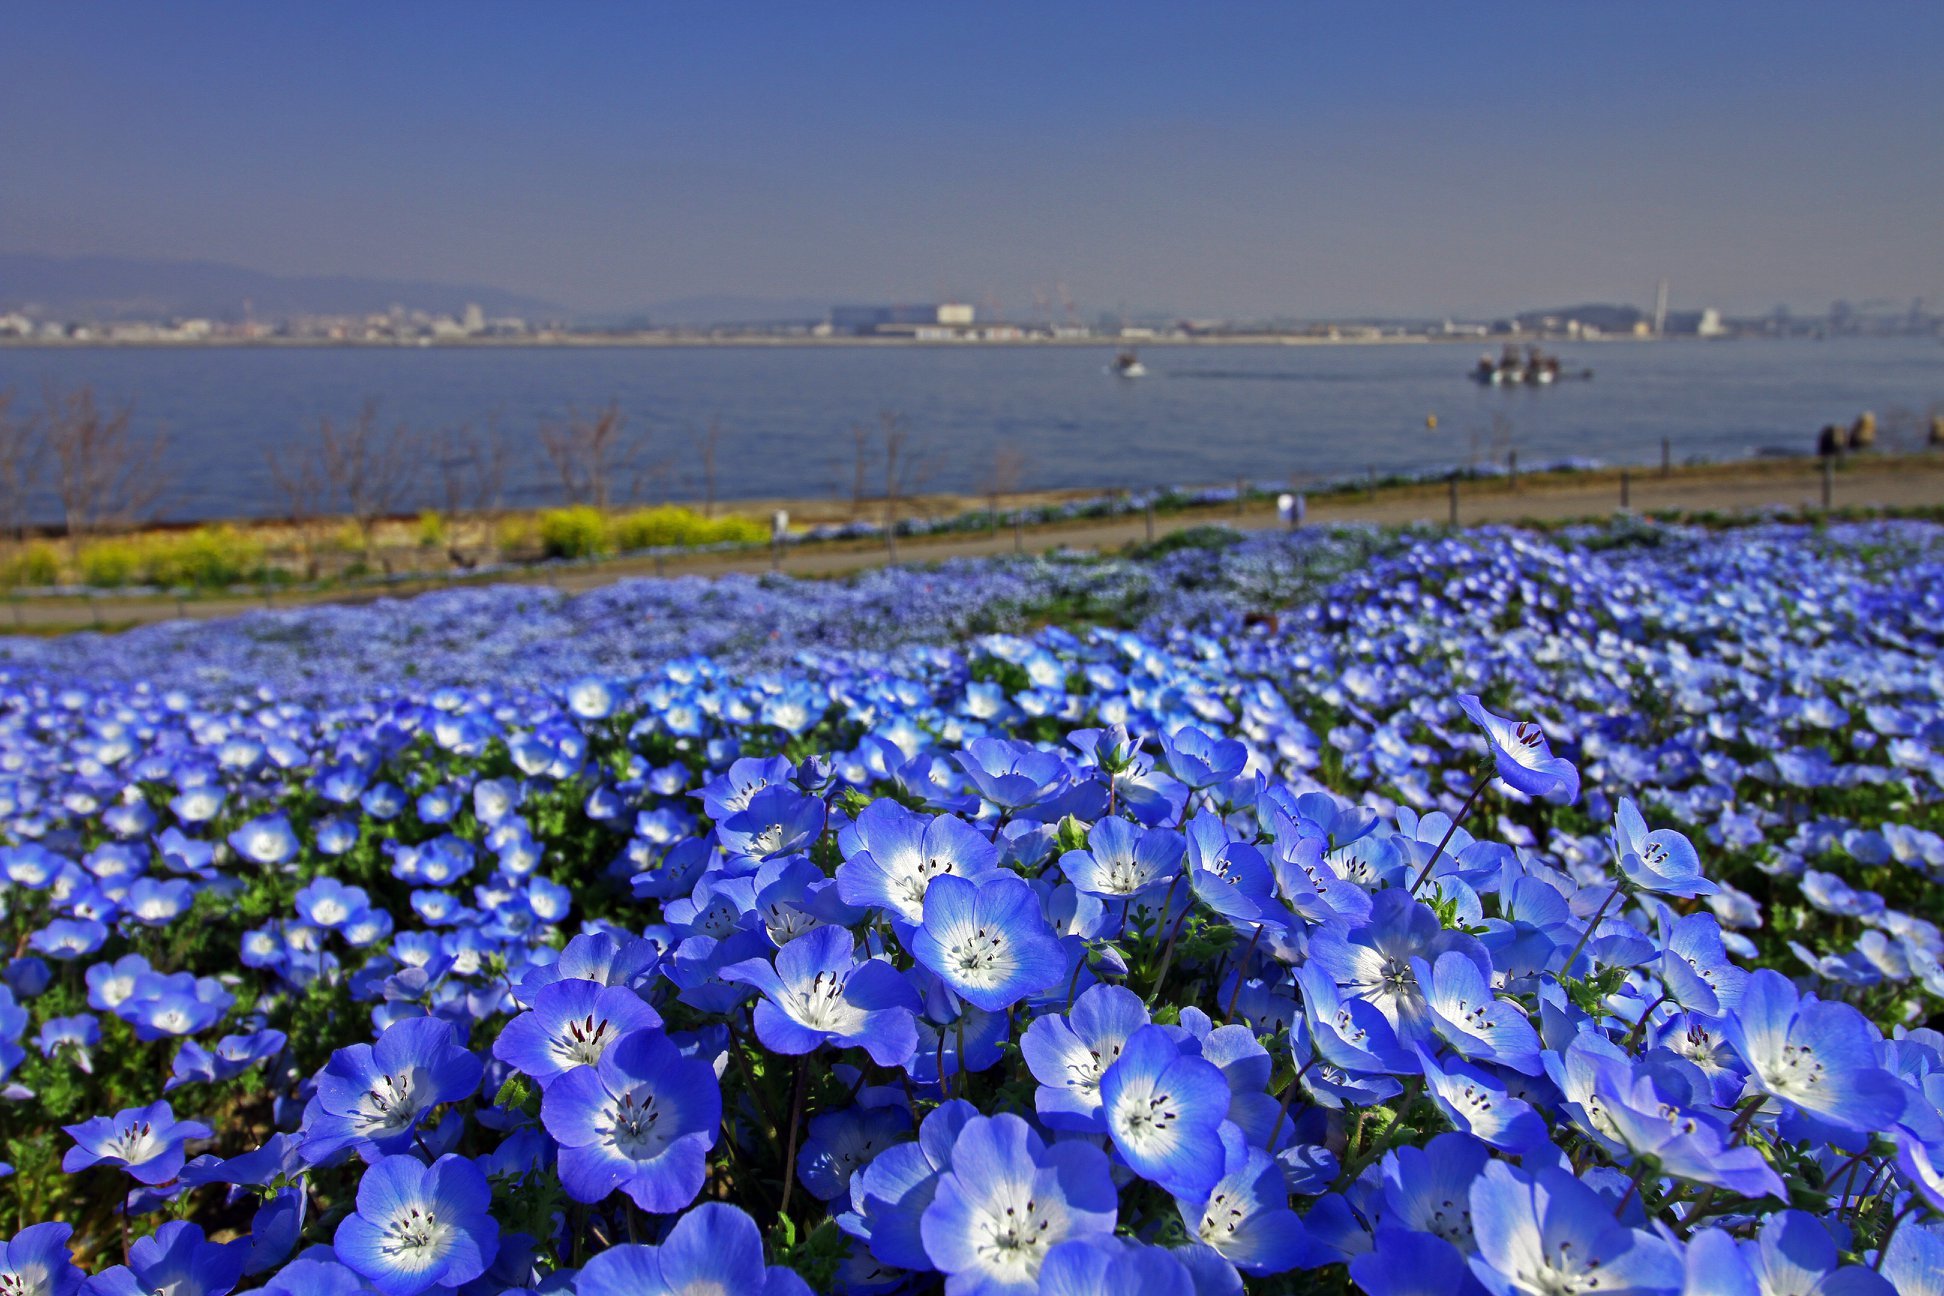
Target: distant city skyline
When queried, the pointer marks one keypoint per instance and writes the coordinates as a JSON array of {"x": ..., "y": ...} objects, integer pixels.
[{"x": 1242, "y": 162}]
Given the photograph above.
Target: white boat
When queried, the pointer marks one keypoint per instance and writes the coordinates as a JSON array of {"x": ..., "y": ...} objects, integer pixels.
[{"x": 1127, "y": 365}]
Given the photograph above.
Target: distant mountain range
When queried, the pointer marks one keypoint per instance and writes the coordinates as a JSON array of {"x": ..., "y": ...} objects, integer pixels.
[{"x": 119, "y": 288}]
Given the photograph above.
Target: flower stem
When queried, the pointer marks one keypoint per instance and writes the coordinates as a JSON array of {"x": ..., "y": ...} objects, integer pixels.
[
  {"x": 1241, "y": 973},
  {"x": 789, "y": 1155},
  {"x": 1591, "y": 927},
  {"x": 1640, "y": 1027},
  {"x": 1464, "y": 812},
  {"x": 1167, "y": 954},
  {"x": 1883, "y": 1247}
]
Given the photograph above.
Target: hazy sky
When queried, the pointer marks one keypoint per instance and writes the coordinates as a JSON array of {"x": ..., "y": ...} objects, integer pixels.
[{"x": 1291, "y": 158}]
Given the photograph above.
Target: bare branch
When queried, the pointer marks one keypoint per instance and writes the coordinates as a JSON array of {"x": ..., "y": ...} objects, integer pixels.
[
  {"x": 372, "y": 469},
  {"x": 588, "y": 452},
  {"x": 105, "y": 476},
  {"x": 23, "y": 448}
]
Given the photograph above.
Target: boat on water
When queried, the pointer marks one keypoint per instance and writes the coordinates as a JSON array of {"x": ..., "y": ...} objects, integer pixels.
[
  {"x": 1533, "y": 368},
  {"x": 1127, "y": 365}
]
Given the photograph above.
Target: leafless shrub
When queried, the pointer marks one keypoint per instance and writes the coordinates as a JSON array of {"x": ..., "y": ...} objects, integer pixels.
[
  {"x": 298, "y": 477},
  {"x": 589, "y": 452},
  {"x": 371, "y": 468},
  {"x": 705, "y": 453},
  {"x": 860, "y": 467},
  {"x": 23, "y": 447},
  {"x": 105, "y": 476},
  {"x": 905, "y": 472},
  {"x": 471, "y": 466}
]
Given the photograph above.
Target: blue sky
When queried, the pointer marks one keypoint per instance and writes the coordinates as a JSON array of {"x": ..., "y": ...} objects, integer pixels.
[{"x": 1290, "y": 159}]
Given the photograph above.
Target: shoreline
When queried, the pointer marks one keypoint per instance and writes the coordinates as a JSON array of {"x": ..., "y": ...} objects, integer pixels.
[
  {"x": 1903, "y": 483},
  {"x": 634, "y": 342}
]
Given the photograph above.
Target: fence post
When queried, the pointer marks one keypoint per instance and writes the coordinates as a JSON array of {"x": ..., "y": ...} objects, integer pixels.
[
  {"x": 1454, "y": 497},
  {"x": 776, "y": 554},
  {"x": 661, "y": 566},
  {"x": 1019, "y": 534},
  {"x": 1150, "y": 521},
  {"x": 1828, "y": 480},
  {"x": 1238, "y": 496},
  {"x": 992, "y": 513},
  {"x": 1626, "y": 488},
  {"x": 1512, "y": 465},
  {"x": 891, "y": 542},
  {"x": 1667, "y": 457}
]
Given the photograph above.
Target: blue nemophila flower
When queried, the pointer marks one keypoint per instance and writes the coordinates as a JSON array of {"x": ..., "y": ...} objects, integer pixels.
[
  {"x": 1478, "y": 1104},
  {"x": 36, "y": 1262},
  {"x": 1549, "y": 1234},
  {"x": 1164, "y": 1108},
  {"x": 146, "y": 1142},
  {"x": 179, "y": 1260},
  {"x": 889, "y": 1194},
  {"x": 841, "y": 1142},
  {"x": 819, "y": 992},
  {"x": 378, "y": 1093},
  {"x": 1820, "y": 1056},
  {"x": 642, "y": 1119},
  {"x": 1405, "y": 1263},
  {"x": 1009, "y": 1198},
  {"x": 1110, "y": 1266},
  {"x": 891, "y": 856},
  {"x": 79, "y": 1034},
  {"x": 714, "y": 1248},
  {"x": 1246, "y": 1215},
  {"x": 1792, "y": 1255},
  {"x": 326, "y": 902},
  {"x": 1201, "y": 761},
  {"x": 1373, "y": 960},
  {"x": 1471, "y": 1018},
  {"x": 418, "y": 1227},
  {"x": 1913, "y": 1263},
  {"x": 1069, "y": 1054},
  {"x": 778, "y": 820},
  {"x": 266, "y": 839},
  {"x": 988, "y": 940},
  {"x": 1694, "y": 966},
  {"x": 1662, "y": 860},
  {"x": 1014, "y": 775},
  {"x": 572, "y": 1024},
  {"x": 1523, "y": 757},
  {"x": 1124, "y": 861},
  {"x": 1683, "y": 1143}
]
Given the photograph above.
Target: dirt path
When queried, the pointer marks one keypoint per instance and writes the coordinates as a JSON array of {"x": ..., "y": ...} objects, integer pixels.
[{"x": 1905, "y": 482}]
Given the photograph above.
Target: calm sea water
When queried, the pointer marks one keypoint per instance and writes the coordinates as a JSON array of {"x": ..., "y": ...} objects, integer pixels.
[{"x": 1204, "y": 414}]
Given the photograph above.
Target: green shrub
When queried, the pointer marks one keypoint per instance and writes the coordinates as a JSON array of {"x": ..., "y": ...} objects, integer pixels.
[
  {"x": 669, "y": 525},
  {"x": 110, "y": 563},
  {"x": 577, "y": 532},
  {"x": 431, "y": 530},
  {"x": 34, "y": 566},
  {"x": 208, "y": 557},
  {"x": 516, "y": 536}
]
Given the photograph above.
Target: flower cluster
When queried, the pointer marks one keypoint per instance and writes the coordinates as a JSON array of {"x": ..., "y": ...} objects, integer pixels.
[{"x": 1484, "y": 912}]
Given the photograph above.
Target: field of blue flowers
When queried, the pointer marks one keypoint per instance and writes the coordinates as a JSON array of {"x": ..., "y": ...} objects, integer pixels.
[{"x": 1342, "y": 911}]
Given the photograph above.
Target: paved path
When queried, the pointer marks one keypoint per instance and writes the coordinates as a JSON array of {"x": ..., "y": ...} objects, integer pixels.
[{"x": 1907, "y": 482}]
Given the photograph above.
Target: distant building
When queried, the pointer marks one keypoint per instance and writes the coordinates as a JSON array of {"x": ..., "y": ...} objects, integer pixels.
[
  {"x": 1710, "y": 325},
  {"x": 901, "y": 321}
]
